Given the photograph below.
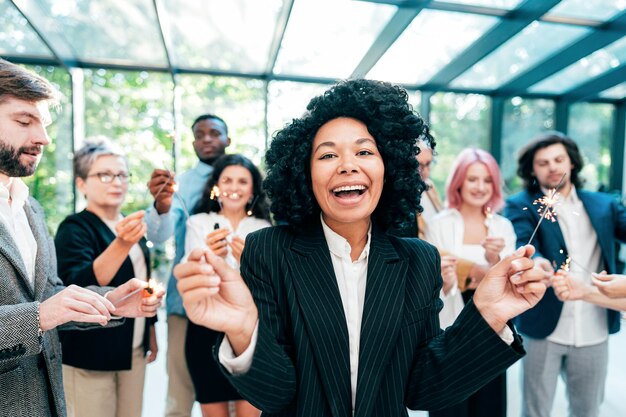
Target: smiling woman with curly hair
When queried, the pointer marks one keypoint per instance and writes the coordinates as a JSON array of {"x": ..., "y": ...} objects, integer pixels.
[
  {"x": 389, "y": 118},
  {"x": 332, "y": 316}
]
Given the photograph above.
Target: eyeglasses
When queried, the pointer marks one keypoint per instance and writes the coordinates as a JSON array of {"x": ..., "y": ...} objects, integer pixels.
[{"x": 107, "y": 177}]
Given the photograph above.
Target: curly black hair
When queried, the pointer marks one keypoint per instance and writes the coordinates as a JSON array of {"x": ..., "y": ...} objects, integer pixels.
[
  {"x": 543, "y": 140},
  {"x": 259, "y": 205},
  {"x": 389, "y": 118}
]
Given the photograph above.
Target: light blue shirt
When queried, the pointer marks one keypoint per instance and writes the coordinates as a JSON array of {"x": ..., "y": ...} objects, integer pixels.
[{"x": 160, "y": 227}]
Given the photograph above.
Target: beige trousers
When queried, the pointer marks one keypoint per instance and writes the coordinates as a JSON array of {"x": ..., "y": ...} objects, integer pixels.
[
  {"x": 180, "y": 393},
  {"x": 105, "y": 393}
]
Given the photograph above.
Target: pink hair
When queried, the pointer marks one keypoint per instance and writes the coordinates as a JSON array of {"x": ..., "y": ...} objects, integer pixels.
[{"x": 459, "y": 170}]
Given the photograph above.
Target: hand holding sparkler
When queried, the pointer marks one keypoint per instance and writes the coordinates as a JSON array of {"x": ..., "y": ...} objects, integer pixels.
[
  {"x": 137, "y": 298},
  {"x": 216, "y": 241},
  {"x": 611, "y": 285},
  {"x": 509, "y": 288},
  {"x": 568, "y": 287},
  {"x": 131, "y": 229},
  {"x": 162, "y": 187},
  {"x": 215, "y": 296},
  {"x": 493, "y": 246}
]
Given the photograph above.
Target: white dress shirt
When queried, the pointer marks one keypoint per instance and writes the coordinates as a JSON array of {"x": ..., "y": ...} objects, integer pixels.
[
  {"x": 201, "y": 224},
  {"x": 13, "y": 196},
  {"x": 141, "y": 271},
  {"x": 446, "y": 231},
  {"x": 580, "y": 323}
]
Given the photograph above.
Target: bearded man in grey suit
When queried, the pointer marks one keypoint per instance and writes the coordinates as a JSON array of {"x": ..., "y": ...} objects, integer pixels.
[{"x": 33, "y": 300}]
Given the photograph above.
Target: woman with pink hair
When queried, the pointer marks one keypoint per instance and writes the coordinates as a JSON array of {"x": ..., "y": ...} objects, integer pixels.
[{"x": 469, "y": 228}]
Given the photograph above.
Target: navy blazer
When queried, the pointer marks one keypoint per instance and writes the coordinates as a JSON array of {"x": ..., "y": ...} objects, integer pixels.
[
  {"x": 608, "y": 219},
  {"x": 301, "y": 361}
]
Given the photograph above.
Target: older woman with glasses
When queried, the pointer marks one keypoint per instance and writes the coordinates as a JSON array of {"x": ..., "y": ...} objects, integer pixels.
[{"x": 103, "y": 371}]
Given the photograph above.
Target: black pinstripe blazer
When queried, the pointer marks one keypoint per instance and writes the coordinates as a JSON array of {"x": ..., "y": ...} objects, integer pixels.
[{"x": 301, "y": 362}]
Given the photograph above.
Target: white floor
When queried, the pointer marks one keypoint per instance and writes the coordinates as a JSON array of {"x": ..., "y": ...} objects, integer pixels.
[{"x": 614, "y": 404}]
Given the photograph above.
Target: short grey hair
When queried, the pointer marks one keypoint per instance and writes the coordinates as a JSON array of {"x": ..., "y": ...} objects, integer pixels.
[{"x": 93, "y": 149}]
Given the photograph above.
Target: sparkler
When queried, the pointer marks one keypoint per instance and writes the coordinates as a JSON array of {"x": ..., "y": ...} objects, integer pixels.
[
  {"x": 249, "y": 212},
  {"x": 215, "y": 195},
  {"x": 153, "y": 285},
  {"x": 546, "y": 208},
  {"x": 565, "y": 266},
  {"x": 488, "y": 219}
]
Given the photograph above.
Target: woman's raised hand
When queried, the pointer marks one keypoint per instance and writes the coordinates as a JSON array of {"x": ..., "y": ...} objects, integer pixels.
[
  {"x": 215, "y": 296},
  {"x": 509, "y": 288},
  {"x": 236, "y": 245},
  {"x": 493, "y": 247},
  {"x": 611, "y": 285},
  {"x": 131, "y": 228},
  {"x": 216, "y": 241},
  {"x": 448, "y": 272}
]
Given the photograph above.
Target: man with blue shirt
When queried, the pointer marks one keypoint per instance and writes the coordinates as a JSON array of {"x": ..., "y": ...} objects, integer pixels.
[
  {"x": 565, "y": 338},
  {"x": 167, "y": 217}
]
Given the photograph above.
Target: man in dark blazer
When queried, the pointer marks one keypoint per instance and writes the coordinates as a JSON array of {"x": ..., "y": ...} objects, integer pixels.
[
  {"x": 571, "y": 337},
  {"x": 33, "y": 300}
]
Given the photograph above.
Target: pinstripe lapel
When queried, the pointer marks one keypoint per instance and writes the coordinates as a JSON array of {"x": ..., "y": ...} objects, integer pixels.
[
  {"x": 41, "y": 239},
  {"x": 323, "y": 316},
  {"x": 382, "y": 318},
  {"x": 9, "y": 249}
]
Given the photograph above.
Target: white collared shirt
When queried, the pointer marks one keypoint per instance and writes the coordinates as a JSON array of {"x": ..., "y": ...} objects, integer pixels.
[
  {"x": 13, "y": 196},
  {"x": 201, "y": 224},
  {"x": 581, "y": 323},
  {"x": 351, "y": 279},
  {"x": 446, "y": 231}
]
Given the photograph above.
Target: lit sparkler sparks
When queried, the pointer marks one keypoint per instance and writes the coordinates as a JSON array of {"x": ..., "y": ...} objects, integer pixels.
[
  {"x": 215, "y": 195},
  {"x": 565, "y": 266},
  {"x": 153, "y": 285},
  {"x": 488, "y": 219},
  {"x": 547, "y": 207}
]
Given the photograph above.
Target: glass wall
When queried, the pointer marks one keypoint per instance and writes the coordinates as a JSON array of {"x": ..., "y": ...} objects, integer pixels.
[
  {"x": 134, "y": 110},
  {"x": 522, "y": 120},
  {"x": 287, "y": 100},
  {"x": 458, "y": 121},
  {"x": 239, "y": 101},
  {"x": 591, "y": 126},
  {"x": 51, "y": 184}
]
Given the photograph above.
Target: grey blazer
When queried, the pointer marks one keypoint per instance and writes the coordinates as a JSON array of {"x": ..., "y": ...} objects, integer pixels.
[{"x": 30, "y": 366}]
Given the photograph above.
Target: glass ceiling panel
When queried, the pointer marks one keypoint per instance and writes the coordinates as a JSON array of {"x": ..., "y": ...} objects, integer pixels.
[
  {"x": 16, "y": 35},
  {"x": 328, "y": 38},
  {"x": 519, "y": 53},
  {"x": 496, "y": 4},
  {"x": 429, "y": 43},
  {"x": 601, "y": 10},
  {"x": 585, "y": 69},
  {"x": 208, "y": 34},
  {"x": 124, "y": 31},
  {"x": 618, "y": 92},
  {"x": 287, "y": 100}
]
